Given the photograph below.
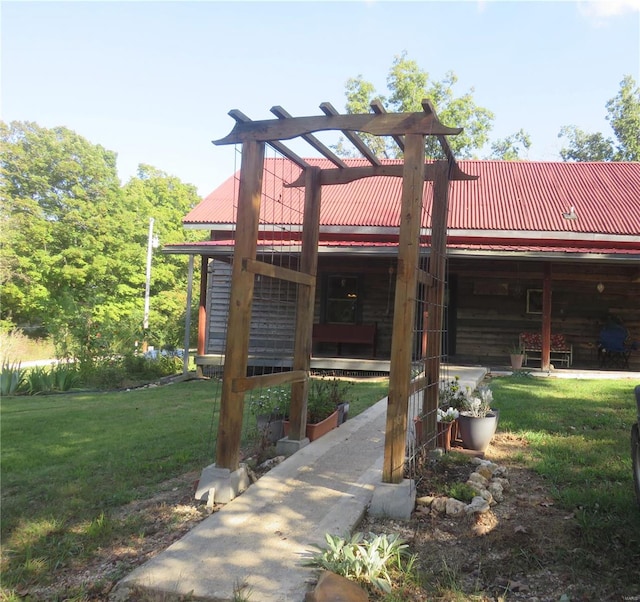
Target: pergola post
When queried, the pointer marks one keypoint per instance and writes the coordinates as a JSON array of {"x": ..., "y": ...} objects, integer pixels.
[
  {"x": 404, "y": 309},
  {"x": 306, "y": 302},
  {"x": 240, "y": 303},
  {"x": 435, "y": 298}
]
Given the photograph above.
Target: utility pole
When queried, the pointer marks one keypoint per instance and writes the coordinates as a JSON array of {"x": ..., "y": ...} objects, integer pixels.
[{"x": 151, "y": 243}]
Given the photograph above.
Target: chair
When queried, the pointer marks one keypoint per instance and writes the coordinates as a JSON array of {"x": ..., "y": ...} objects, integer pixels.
[{"x": 612, "y": 348}]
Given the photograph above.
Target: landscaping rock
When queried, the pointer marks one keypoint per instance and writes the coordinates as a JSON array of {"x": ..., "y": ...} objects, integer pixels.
[
  {"x": 334, "y": 588},
  {"x": 454, "y": 507},
  {"x": 439, "y": 504},
  {"x": 478, "y": 504},
  {"x": 425, "y": 500}
]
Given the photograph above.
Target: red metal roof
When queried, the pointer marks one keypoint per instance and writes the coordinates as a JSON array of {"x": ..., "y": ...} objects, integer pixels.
[
  {"x": 508, "y": 196},
  {"x": 512, "y": 205}
]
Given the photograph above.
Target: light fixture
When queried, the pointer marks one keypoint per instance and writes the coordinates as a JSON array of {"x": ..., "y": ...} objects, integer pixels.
[{"x": 600, "y": 287}]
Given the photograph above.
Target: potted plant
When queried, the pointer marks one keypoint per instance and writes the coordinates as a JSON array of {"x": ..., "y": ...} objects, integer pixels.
[
  {"x": 444, "y": 422},
  {"x": 326, "y": 399},
  {"x": 516, "y": 355},
  {"x": 478, "y": 421},
  {"x": 270, "y": 409},
  {"x": 453, "y": 395}
]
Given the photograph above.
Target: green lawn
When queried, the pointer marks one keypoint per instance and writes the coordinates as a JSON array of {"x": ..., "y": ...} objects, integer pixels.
[
  {"x": 68, "y": 461},
  {"x": 579, "y": 439}
]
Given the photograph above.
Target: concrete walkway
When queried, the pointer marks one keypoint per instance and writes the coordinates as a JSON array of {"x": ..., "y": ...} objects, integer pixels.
[{"x": 262, "y": 536}]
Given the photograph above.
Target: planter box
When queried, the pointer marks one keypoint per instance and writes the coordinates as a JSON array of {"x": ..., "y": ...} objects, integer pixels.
[{"x": 314, "y": 431}]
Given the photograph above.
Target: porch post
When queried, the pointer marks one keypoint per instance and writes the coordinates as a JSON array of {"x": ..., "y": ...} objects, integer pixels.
[
  {"x": 187, "y": 320},
  {"x": 404, "y": 309},
  {"x": 306, "y": 302},
  {"x": 240, "y": 304},
  {"x": 545, "y": 361},
  {"x": 202, "y": 311}
]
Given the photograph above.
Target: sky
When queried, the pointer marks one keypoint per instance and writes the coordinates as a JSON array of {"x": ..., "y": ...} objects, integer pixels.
[{"x": 155, "y": 81}]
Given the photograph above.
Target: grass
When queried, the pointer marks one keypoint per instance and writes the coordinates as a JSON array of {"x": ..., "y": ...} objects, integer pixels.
[
  {"x": 69, "y": 461},
  {"x": 578, "y": 433}
]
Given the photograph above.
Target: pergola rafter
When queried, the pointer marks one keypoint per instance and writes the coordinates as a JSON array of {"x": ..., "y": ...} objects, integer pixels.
[{"x": 409, "y": 131}]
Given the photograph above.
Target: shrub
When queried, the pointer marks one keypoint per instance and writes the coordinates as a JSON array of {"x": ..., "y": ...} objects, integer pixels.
[
  {"x": 370, "y": 560},
  {"x": 11, "y": 378}
]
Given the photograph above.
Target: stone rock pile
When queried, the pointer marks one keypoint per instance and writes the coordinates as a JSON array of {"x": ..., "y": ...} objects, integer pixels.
[{"x": 489, "y": 481}]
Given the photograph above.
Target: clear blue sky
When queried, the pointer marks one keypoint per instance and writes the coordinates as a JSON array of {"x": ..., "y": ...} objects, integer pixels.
[{"x": 154, "y": 81}]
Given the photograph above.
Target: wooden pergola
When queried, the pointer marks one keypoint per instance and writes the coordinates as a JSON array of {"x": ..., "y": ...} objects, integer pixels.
[{"x": 409, "y": 130}]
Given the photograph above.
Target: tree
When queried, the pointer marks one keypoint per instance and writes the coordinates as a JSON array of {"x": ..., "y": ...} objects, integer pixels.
[
  {"x": 73, "y": 246},
  {"x": 408, "y": 86},
  {"x": 166, "y": 199},
  {"x": 509, "y": 148},
  {"x": 624, "y": 117}
]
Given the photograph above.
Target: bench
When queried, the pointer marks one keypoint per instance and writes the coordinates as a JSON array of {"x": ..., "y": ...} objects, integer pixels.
[
  {"x": 531, "y": 345},
  {"x": 353, "y": 334}
]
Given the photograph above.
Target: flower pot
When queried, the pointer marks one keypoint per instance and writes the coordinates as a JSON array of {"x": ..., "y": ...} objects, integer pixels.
[
  {"x": 270, "y": 427},
  {"x": 476, "y": 433},
  {"x": 315, "y": 430},
  {"x": 516, "y": 361},
  {"x": 444, "y": 432},
  {"x": 343, "y": 412},
  {"x": 322, "y": 428}
]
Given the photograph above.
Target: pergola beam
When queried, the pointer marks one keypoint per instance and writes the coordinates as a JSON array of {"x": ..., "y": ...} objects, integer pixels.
[
  {"x": 281, "y": 113},
  {"x": 241, "y": 118},
  {"x": 378, "y": 109},
  {"x": 378, "y": 125}
]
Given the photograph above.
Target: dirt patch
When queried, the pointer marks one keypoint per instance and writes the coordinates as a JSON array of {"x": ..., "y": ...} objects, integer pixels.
[{"x": 524, "y": 548}]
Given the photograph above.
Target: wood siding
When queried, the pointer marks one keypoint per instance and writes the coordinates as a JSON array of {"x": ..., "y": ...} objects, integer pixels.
[
  {"x": 272, "y": 320},
  {"x": 488, "y": 302}
]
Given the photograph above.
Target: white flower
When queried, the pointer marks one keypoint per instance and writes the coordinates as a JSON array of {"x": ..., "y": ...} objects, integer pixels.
[{"x": 447, "y": 416}]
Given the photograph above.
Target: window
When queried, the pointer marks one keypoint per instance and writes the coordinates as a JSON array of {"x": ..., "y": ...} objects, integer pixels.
[{"x": 342, "y": 299}]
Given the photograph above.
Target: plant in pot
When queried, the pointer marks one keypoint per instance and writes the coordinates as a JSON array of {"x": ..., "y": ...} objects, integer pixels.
[
  {"x": 453, "y": 395},
  {"x": 270, "y": 408},
  {"x": 322, "y": 407},
  {"x": 444, "y": 422},
  {"x": 326, "y": 400},
  {"x": 516, "y": 355},
  {"x": 478, "y": 421}
]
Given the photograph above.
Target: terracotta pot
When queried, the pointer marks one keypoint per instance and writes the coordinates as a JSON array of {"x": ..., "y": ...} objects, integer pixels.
[
  {"x": 314, "y": 431},
  {"x": 445, "y": 430}
]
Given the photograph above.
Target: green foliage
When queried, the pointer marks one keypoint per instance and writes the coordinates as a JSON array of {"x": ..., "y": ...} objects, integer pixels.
[
  {"x": 274, "y": 401},
  {"x": 73, "y": 243},
  {"x": 460, "y": 491},
  {"x": 408, "y": 85},
  {"x": 11, "y": 378},
  {"x": 624, "y": 116},
  {"x": 55, "y": 378},
  {"x": 371, "y": 560},
  {"x": 510, "y": 148},
  {"x": 324, "y": 397}
]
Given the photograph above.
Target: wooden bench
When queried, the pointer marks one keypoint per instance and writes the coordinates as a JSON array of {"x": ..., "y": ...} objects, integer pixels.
[
  {"x": 531, "y": 345},
  {"x": 352, "y": 334}
]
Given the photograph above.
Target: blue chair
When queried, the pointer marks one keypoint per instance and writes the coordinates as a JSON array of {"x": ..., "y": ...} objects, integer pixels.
[{"x": 613, "y": 350}]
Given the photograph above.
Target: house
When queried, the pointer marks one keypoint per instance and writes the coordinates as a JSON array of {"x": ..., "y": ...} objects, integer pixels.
[{"x": 519, "y": 224}]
